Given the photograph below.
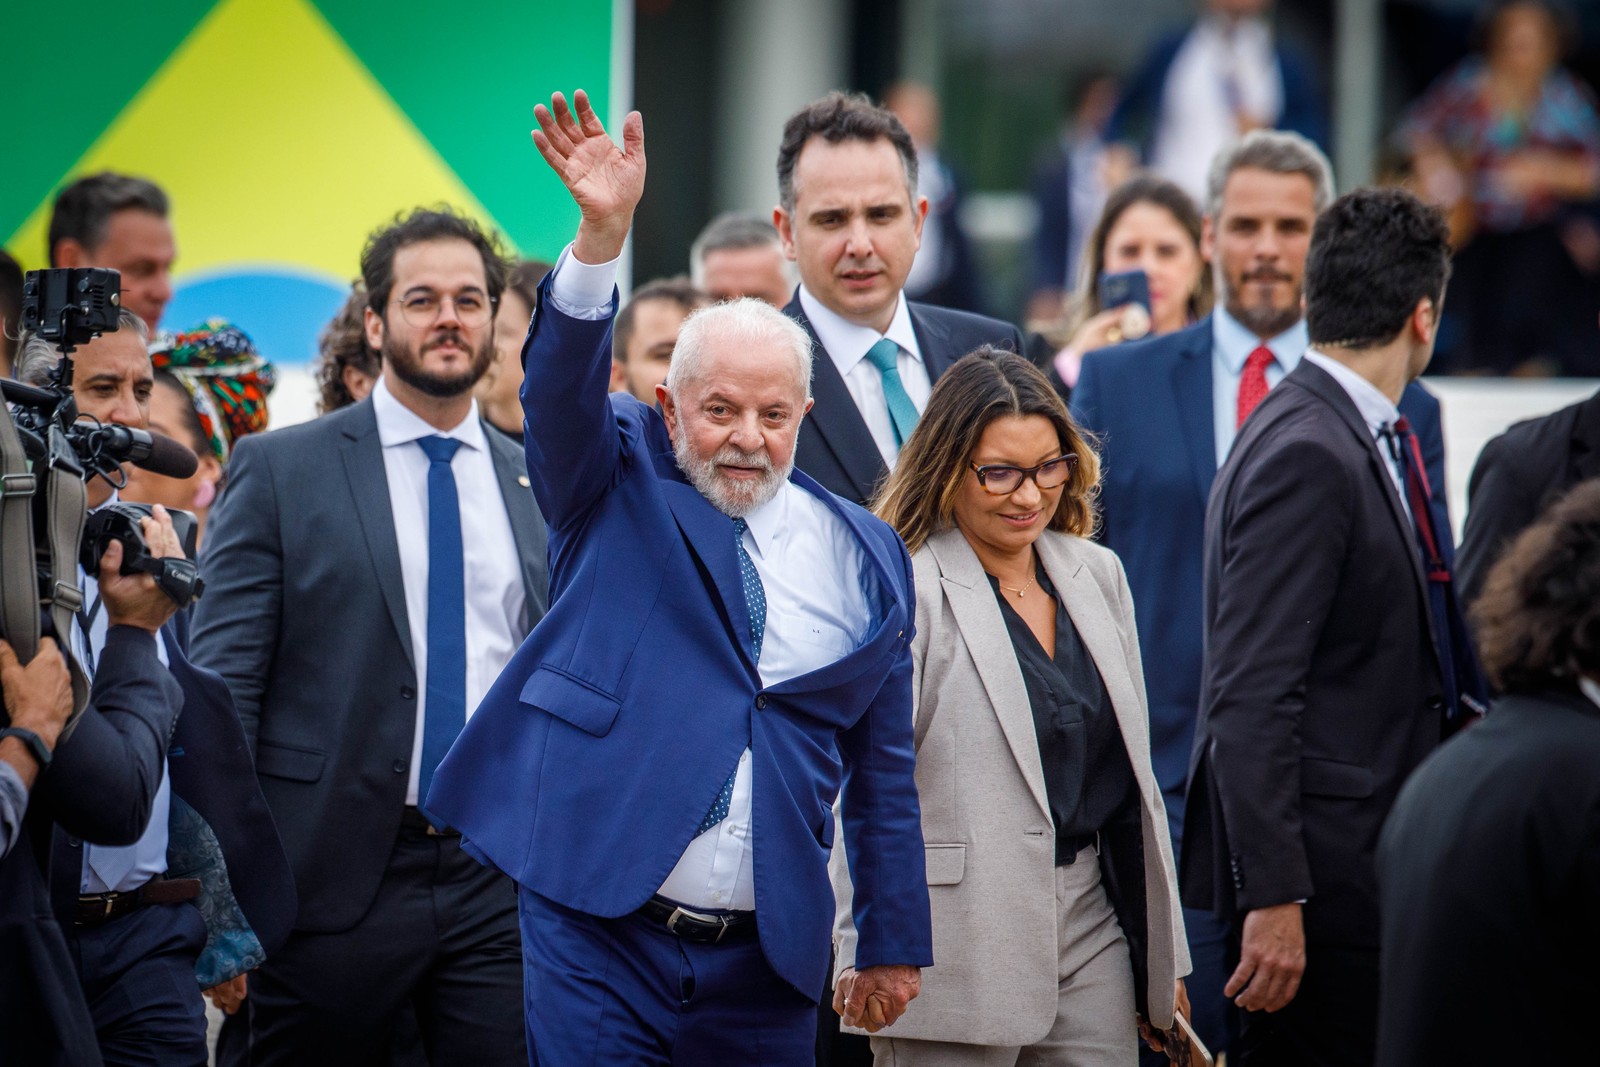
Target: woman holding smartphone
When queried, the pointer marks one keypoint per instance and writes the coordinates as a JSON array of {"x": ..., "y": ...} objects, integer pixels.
[
  {"x": 1056, "y": 924},
  {"x": 1148, "y": 225}
]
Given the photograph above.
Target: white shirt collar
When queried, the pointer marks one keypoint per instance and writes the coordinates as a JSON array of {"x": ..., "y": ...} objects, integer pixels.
[
  {"x": 1376, "y": 409},
  {"x": 399, "y": 425},
  {"x": 1234, "y": 343},
  {"x": 846, "y": 343},
  {"x": 768, "y": 521}
]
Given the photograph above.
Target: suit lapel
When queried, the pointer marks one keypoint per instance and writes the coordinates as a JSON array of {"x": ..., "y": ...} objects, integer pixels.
[
  {"x": 1191, "y": 395},
  {"x": 369, "y": 490},
  {"x": 983, "y": 629},
  {"x": 1585, "y": 441},
  {"x": 938, "y": 354},
  {"x": 512, "y": 474},
  {"x": 835, "y": 418},
  {"x": 710, "y": 536}
]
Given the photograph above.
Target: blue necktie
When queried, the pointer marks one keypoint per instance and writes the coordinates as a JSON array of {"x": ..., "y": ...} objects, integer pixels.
[
  {"x": 885, "y": 355},
  {"x": 446, "y": 704},
  {"x": 755, "y": 599}
]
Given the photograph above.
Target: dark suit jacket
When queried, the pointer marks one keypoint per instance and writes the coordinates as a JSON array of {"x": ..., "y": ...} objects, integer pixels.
[
  {"x": 1321, "y": 688},
  {"x": 835, "y": 446},
  {"x": 1150, "y": 404},
  {"x": 1518, "y": 475},
  {"x": 304, "y": 617},
  {"x": 101, "y": 783},
  {"x": 606, "y": 739},
  {"x": 1489, "y": 870}
]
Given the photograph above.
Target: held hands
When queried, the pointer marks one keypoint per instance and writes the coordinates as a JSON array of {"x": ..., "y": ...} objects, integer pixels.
[
  {"x": 605, "y": 181},
  {"x": 136, "y": 599},
  {"x": 38, "y": 697},
  {"x": 229, "y": 996},
  {"x": 1156, "y": 1039},
  {"x": 1272, "y": 959},
  {"x": 874, "y": 998}
]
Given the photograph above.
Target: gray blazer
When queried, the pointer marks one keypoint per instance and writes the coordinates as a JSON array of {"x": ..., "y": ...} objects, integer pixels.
[
  {"x": 304, "y": 616},
  {"x": 985, "y": 819}
]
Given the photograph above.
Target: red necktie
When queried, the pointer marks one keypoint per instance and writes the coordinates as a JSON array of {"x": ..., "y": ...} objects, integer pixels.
[{"x": 1253, "y": 382}]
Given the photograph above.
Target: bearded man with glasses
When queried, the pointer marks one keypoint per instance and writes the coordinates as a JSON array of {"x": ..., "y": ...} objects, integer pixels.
[{"x": 358, "y": 619}]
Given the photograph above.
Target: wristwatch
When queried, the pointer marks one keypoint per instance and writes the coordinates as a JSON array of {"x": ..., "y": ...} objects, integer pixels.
[{"x": 36, "y": 745}]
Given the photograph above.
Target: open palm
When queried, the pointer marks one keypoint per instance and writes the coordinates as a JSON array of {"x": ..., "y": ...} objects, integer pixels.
[{"x": 605, "y": 181}]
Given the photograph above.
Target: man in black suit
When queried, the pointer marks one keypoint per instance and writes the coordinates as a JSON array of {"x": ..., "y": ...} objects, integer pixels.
[
  {"x": 1489, "y": 864},
  {"x": 370, "y": 574},
  {"x": 1322, "y": 688},
  {"x": 850, "y": 217},
  {"x": 1518, "y": 474}
]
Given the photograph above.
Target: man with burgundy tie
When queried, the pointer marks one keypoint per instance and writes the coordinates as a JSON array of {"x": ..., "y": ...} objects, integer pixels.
[
  {"x": 369, "y": 575},
  {"x": 1166, "y": 411},
  {"x": 1328, "y": 673},
  {"x": 850, "y": 217}
]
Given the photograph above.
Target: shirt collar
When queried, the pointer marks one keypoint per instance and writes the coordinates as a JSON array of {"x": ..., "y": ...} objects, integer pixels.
[
  {"x": 768, "y": 521},
  {"x": 1378, "y": 410},
  {"x": 846, "y": 343},
  {"x": 399, "y": 425},
  {"x": 1234, "y": 343}
]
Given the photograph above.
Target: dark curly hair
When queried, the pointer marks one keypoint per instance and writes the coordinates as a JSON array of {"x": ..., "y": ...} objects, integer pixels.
[
  {"x": 1538, "y": 618},
  {"x": 343, "y": 343},
  {"x": 440, "y": 223}
]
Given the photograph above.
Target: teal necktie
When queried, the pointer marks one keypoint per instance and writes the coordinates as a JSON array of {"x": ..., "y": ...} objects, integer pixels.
[{"x": 902, "y": 412}]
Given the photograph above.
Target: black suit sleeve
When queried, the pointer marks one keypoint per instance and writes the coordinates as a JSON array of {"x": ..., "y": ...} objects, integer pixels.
[
  {"x": 103, "y": 779},
  {"x": 237, "y": 622},
  {"x": 1283, "y": 541},
  {"x": 1502, "y": 500}
]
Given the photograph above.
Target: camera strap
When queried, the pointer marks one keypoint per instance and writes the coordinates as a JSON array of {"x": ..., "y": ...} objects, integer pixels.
[
  {"x": 68, "y": 504},
  {"x": 19, "y": 586}
]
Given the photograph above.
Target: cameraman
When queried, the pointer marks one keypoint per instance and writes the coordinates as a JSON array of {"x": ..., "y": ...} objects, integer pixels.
[{"x": 204, "y": 842}]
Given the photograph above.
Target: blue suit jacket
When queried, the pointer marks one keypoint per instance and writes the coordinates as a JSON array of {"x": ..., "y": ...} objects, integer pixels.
[
  {"x": 589, "y": 764},
  {"x": 1150, "y": 404}
]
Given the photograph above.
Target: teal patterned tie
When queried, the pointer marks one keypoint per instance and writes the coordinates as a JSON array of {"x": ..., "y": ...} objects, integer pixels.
[
  {"x": 885, "y": 355},
  {"x": 755, "y": 599}
]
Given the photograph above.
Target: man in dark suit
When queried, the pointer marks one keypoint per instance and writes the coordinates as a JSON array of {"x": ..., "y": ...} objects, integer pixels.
[
  {"x": 1489, "y": 863},
  {"x": 1519, "y": 474},
  {"x": 358, "y": 618},
  {"x": 1166, "y": 411},
  {"x": 727, "y": 647},
  {"x": 850, "y": 217},
  {"x": 143, "y": 952},
  {"x": 1322, "y": 685}
]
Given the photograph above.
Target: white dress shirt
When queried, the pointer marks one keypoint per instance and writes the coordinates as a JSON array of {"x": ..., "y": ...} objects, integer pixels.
[
  {"x": 812, "y": 572},
  {"x": 846, "y": 344},
  {"x": 496, "y": 603},
  {"x": 121, "y": 868},
  {"x": 1196, "y": 117},
  {"x": 1231, "y": 345},
  {"x": 1377, "y": 411}
]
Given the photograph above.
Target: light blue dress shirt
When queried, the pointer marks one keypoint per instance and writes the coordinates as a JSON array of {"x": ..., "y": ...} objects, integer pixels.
[{"x": 1231, "y": 345}]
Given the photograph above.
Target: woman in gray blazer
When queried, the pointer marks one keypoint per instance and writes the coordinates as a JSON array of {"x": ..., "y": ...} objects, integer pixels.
[{"x": 1055, "y": 908}]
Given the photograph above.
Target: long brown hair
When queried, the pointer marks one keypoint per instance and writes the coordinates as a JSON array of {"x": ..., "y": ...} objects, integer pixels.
[
  {"x": 1140, "y": 189},
  {"x": 919, "y": 497}
]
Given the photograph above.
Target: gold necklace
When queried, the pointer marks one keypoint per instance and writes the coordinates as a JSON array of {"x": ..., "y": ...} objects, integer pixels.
[{"x": 1023, "y": 590}]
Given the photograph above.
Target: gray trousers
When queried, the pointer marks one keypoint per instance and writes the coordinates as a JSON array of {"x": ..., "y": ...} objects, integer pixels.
[{"x": 1096, "y": 1024}]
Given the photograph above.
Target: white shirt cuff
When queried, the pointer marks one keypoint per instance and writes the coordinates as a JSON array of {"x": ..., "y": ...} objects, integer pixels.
[{"x": 582, "y": 290}]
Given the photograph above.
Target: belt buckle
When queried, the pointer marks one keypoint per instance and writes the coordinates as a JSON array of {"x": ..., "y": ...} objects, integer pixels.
[
  {"x": 684, "y": 913},
  {"x": 111, "y": 899}
]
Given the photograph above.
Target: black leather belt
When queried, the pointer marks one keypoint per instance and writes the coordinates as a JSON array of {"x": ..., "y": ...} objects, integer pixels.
[
  {"x": 702, "y": 928},
  {"x": 412, "y": 819},
  {"x": 97, "y": 908}
]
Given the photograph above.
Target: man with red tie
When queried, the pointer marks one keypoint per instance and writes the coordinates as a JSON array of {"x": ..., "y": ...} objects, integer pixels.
[{"x": 1167, "y": 410}]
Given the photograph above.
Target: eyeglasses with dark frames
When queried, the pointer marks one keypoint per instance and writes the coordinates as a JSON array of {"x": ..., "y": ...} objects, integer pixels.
[{"x": 1003, "y": 478}]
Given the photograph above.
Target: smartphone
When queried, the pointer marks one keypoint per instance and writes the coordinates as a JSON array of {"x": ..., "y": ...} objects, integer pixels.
[{"x": 1125, "y": 287}]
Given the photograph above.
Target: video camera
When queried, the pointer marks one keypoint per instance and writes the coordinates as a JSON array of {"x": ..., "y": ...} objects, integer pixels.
[{"x": 48, "y": 454}]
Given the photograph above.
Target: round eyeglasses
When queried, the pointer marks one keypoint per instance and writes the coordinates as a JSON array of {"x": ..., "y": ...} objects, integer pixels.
[{"x": 422, "y": 307}]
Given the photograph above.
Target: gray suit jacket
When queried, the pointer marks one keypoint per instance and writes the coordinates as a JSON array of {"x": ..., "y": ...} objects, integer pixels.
[
  {"x": 985, "y": 817},
  {"x": 304, "y": 616}
]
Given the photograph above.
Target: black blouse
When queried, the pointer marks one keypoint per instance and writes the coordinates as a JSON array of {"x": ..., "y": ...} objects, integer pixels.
[{"x": 1087, "y": 774}]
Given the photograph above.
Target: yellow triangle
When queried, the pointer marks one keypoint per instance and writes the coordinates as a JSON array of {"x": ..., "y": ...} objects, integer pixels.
[{"x": 275, "y": 143}]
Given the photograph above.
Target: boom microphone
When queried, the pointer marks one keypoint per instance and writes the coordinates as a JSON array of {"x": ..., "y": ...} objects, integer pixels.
[{"x": 153, "y": 452}]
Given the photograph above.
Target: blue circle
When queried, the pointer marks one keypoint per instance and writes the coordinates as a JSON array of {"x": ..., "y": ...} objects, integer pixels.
[{"x": 282, "y": 311}]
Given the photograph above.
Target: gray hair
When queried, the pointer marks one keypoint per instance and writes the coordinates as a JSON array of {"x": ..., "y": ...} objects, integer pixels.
[
  {"x": 748, "y": 323},
  {"x": 36, "y": 357},
  {"x": 727, "y": 232},
  {"x": 1277, "y": 151}
]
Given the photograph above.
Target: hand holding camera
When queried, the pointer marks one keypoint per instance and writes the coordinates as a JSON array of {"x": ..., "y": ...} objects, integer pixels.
[{"x": 138, "y": 599}]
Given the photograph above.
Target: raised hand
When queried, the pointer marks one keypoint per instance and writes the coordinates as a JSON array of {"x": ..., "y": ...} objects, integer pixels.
[{"x": 605, "y": 181}]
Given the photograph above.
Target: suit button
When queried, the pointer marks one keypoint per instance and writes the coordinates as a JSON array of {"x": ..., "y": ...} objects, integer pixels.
[
  {"x": 761, "y": 700},
  {"x": 74, "y": 842},
  {"x": 400, "y": 766},
  {"x": 1435, "y": 703},
  {"x": 407, "y": 692}
]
